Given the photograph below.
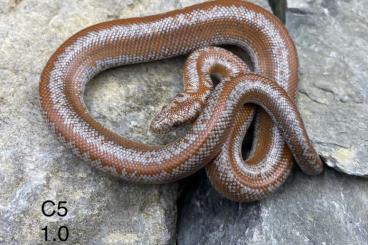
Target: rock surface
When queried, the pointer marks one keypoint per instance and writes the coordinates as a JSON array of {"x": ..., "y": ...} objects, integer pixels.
[
  {"x": 333, "y": 93},
  {"x": 326, "y": 209},
  {"x": 35, "y": 167}
]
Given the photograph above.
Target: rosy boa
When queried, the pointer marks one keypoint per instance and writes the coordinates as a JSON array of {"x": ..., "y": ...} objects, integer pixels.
[{"x": 221, "y": 114}]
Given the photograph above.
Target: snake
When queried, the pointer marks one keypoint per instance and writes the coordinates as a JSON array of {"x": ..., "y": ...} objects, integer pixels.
[{"x": 223, "y": 96}]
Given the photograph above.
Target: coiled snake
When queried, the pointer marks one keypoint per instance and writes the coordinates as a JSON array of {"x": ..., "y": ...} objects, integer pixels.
[{"x": 221, "y": 114}]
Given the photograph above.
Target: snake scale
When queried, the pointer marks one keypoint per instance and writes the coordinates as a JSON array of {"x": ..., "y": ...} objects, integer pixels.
[{"x": 221, "y": 114}]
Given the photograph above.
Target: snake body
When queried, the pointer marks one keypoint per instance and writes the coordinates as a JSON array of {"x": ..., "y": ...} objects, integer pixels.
[{"x": 221, "y": 114}]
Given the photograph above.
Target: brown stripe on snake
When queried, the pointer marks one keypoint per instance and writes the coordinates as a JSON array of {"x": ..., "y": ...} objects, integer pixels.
[{"x": 219, "y": 115}]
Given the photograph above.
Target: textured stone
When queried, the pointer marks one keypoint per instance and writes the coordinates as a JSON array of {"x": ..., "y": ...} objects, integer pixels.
[
  {"x": 333, "y": 49},
  {"x": 36, "y": 167},
  {"x": 327, "y": 209}
]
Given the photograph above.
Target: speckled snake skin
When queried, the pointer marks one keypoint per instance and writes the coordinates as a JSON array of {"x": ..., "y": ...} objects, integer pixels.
[{"x": 221, "y": 114}]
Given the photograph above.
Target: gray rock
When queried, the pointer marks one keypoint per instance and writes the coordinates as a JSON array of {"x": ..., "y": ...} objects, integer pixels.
[
  {"x": 36, "y": 167},
  {"x": 279, "y": 8},
  {"x": 326, "y": 209},
  {"x": 333, "y": 95}
]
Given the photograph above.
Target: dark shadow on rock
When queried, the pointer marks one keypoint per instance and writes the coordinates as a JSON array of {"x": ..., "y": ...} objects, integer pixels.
[
  {"x": 205, "y": 217},
  {"x": 327, "y": 208},
  {"x": 279, "y": 8}
]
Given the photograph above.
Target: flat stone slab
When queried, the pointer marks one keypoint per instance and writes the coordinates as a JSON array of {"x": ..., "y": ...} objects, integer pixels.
[
  {"x": 327, "y": 209},
  {"x": 333, "y": 94}
]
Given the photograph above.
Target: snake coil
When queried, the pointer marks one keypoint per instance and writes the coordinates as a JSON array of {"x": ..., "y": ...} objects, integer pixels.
[{"x": 221, "y": 114}]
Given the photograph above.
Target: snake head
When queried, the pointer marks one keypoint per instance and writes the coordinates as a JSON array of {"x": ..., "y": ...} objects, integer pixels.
[{"x": 182, "y": 109}]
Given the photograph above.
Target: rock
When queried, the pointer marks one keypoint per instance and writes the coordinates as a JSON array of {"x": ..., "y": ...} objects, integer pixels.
[
  {"x": 333, "y": 93},
  {"x": 36, "y": 167},
  {"x": 326, "y": 209},
  {"x": 298, "y": 4},
  {"x": 279, "y": 8}
]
